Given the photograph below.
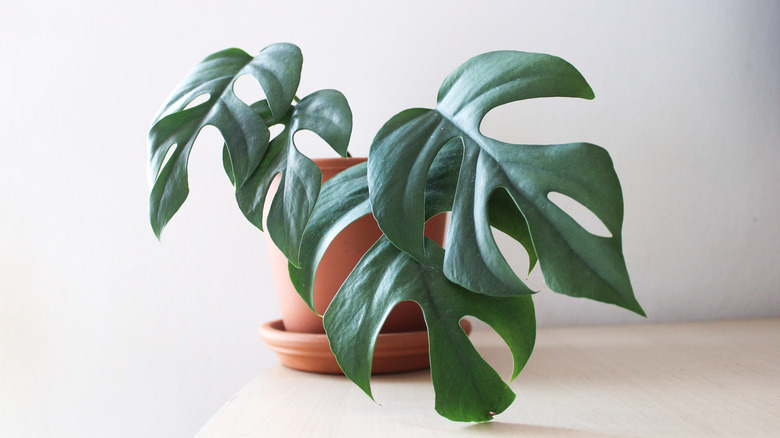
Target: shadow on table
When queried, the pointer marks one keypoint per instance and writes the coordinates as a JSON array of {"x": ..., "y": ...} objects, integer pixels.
[{"x": 497, "y": 428}]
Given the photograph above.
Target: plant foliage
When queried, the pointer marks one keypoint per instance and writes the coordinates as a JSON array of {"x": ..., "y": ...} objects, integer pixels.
[
  {"x": 251, "y": 158},
  {"x": 573, "y": 261},
  {"x": 422, "y": 162},
  {"x": 467, "y": 388}
]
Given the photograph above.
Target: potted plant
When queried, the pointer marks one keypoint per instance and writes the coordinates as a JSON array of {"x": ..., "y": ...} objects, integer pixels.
[
  {"x": 252, "y": 160},
  {"x": 422, "y": 162}
]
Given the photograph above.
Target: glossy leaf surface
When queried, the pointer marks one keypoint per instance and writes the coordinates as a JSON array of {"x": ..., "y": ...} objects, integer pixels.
[
  {"x": 344, "y": 199},
  {"x": 277, "y": 68},
  {"x": 327, "y": 114},
  {"x": 573, "y": 261},
  {"x": 250, "y": 158},
  {"x": 467, "y": 388}
]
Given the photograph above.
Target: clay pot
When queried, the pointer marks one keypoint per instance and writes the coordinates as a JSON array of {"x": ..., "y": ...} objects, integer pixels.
[{"x": 339, "y": 260}]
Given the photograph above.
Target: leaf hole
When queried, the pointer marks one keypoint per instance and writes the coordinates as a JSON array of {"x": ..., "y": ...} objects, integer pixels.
[
  {"x": 275, "y": 129},
  {"x": 436, "y": 227},
  {"x": 499, "y": 357},
  {"x": 179, "y": 104},
  {"x": 312, "y": 145},
  {"x": 198, "y": 100},
  {"x": 248, "y": 90},
  {"x": 581, "y": 214},
  {"x": 537, "y": 121},
  {"x": 513, "y": 252},
  {"x": 440, "y": 185},
  {"x": 164, "y": 162},
  {"x": 406, "y": 316},
  {"x": 507, "y": 222}
]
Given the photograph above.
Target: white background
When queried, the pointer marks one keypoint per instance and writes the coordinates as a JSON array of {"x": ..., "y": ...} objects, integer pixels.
[{"x": 106, "y": 332}]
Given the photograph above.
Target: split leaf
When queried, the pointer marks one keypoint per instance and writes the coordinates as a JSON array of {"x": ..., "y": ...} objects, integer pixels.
[
  {"x": 327, "y": 114},
  {"x": 573, "y": 261},
  {"x": 277, "y": 68},
  {"x": 467, "y": 388}
]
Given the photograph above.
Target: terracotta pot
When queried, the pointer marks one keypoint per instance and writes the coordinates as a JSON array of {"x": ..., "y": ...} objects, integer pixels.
[{"x": 338, "y": 261}]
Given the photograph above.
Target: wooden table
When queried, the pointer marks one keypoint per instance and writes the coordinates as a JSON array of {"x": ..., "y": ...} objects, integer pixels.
[{"x": 695, "y": 379}]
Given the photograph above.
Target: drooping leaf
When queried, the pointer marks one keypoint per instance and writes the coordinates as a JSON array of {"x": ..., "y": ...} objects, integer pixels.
[
  {"x": 467, "y": 388},
  {"x": 344, "y": 199},
  {"x": 277, "y": 68},
  {"x": 262, "y": 109},
  {"x": 327, "y": 114},
  {"x": 573, "y": 261},
  {"x": 440, "y": 194},
  {"x": 504, "y": 215}
]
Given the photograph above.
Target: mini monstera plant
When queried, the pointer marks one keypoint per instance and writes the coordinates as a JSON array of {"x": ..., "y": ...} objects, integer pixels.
[
  {"x": 422, "y": 162},
  {"x": 250, "y": 157}
]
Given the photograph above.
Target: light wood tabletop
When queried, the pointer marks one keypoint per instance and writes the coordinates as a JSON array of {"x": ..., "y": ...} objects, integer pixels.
[{"x": 695, "y": 379}]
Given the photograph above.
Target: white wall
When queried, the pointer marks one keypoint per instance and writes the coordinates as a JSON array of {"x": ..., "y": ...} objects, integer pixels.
[{"x": 105, "y": 332}]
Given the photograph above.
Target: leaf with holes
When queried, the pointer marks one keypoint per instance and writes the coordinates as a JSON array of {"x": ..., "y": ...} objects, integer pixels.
[
  {"x": 467, "y": 388},
  {"x": 344, "y": 199},
  {"x": 277, "y": 68},
  {"x": 250, "y": 158},
  {"x": 573, "y": 261},
  {"x": 327, "y": 114}
]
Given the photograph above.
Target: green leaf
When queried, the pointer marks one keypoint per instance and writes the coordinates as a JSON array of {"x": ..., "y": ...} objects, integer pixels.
[
  {"x": 262, "y": 109},
  {"x": 327, "y": 114},
  {"x": 344, "y": 199},
  {"x": 277, "y": 68},
  {"x": 573, "y": 261},
  {"x": 467, "y": 388},
  {"x": 505, "y": 216}
]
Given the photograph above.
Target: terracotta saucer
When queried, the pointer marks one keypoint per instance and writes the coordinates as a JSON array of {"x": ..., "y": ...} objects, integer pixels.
[{"x": 393, "y": 353}]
